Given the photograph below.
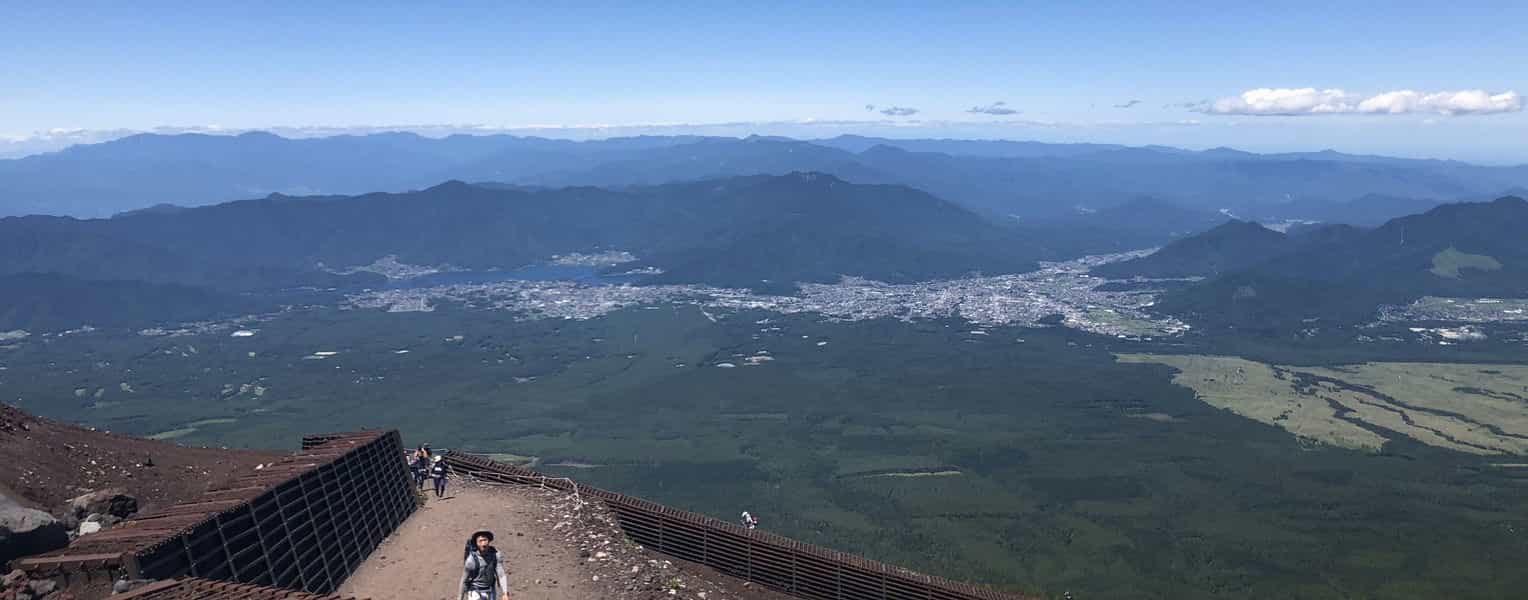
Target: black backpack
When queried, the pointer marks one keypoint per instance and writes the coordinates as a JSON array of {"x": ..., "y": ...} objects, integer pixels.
[{"x": 490, "y": 560}]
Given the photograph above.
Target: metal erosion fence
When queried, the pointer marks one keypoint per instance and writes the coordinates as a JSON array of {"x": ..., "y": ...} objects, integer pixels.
[
  {"x": 792, "y": 567},
  {"x": 303, "y": 522},
  {"x": 193, "y": 588}
]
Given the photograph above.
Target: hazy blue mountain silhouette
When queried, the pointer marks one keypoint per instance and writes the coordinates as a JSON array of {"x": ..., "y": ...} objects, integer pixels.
[
  {"x": 998, "y": 178},
  {"x": 1470, "y": 249}
]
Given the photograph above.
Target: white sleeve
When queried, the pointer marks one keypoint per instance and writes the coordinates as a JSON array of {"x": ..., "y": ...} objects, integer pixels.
[{"x": 462, "y": 589}]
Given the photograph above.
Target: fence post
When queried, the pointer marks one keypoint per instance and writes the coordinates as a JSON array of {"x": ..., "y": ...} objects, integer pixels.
[
  {"x": 794, "y": 554},
  {"x": 130, "y": 565},
  {"x": 190, "y": 556}
]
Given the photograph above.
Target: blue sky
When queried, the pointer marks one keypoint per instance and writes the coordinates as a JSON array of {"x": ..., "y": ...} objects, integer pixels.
[{"x": 1063, "y": 70}]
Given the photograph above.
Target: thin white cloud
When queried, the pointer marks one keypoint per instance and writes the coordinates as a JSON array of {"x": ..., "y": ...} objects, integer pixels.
[
  {"x": 899, "y": 111},
  {"x": 998, "y": 108},
  {"x": 1312, "y": 101}
]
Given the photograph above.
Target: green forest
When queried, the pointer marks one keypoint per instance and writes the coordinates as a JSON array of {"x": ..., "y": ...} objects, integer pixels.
[{"x": 1029, "y": 459}]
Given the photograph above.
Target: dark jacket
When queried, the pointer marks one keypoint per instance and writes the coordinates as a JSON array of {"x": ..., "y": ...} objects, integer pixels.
[{"x": 484, "y": 573}]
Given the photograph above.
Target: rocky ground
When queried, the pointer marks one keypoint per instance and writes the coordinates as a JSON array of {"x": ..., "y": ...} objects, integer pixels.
[
  {"x": 59, "y": 481},
  {"x": 16, "y": 586},
  {"x": 555, "y": 547},
  {"x": 44, "y": 463}
]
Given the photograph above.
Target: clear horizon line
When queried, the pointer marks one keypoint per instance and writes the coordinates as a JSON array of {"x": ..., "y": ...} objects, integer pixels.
[{"x": 56, "y": 139}]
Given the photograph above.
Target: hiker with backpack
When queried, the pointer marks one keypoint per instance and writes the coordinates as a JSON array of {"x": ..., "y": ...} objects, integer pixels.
[
  {"x": 482, "y": 573},
  {"x": 438, "y": 473},
  {"x": 416, "y": 469},
  {"x": 420, "y": 465}
]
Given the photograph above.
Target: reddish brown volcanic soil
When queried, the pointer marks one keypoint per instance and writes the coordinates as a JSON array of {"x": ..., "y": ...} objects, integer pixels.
[{"x": 45, "y": 462}]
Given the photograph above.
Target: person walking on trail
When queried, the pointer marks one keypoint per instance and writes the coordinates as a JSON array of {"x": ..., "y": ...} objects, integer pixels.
[
  {"x": 422, "y": 463},
  {"x": 417, "y": 469},
  {"x": 438, "y": 473},
  {"x": 482, "y": 573}
]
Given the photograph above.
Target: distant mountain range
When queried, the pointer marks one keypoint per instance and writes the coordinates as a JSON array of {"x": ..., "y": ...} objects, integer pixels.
[
  {"x": 762, "y": 213},
  {"x": 1369, "y": 210},
  {"x": 1029, "y": 180},
  {"x": 1230, "y": 247},
  {"x": 1138, "y": 223},
  {"x": 762, "y": 232},
  {"x": 143, "y": 170},
  {"x": 769, "y": 232},
  {"x": 1260, "y": 278}
]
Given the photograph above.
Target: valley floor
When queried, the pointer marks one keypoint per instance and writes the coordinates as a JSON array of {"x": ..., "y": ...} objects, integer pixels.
[{"x": 1474, "y": 408}]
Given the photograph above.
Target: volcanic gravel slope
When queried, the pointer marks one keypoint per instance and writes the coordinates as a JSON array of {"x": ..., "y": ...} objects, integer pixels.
[
  {"x": 554, "y": 546},
  {"x": 45, "y": 462}
]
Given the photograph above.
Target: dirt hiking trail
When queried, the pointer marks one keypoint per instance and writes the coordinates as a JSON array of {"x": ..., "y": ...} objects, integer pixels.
[{"x": 553, "y": 546}]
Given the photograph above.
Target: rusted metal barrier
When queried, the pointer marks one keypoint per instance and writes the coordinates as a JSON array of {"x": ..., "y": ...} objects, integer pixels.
[
  {"x": 194, "y": 588},
  {"x": 314, "y": 440},
  {"x": 303, "y": 522},
  {"x": 792, "y": 567}
]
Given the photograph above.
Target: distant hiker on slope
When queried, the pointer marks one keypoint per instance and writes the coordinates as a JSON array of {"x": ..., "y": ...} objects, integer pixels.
[
  {"x": 482, "y": 574},
  {"x": 438, "y": 473},
  {"x": 416, "y": 469},
  {"x": 421, "y": 465}
]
